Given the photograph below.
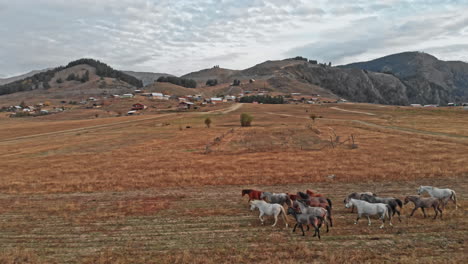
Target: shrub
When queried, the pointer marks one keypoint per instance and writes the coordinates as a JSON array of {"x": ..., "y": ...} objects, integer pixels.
[
  {"x": 208, "y": 122},
  {"x": 246, "y": 119},
  {"x": 313, "y": 117}
]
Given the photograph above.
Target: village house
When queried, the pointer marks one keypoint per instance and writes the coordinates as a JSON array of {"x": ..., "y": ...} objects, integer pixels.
[
  {"x": 158, "y": 96},
  {"x": 138, "y": 106},
  {"x": 126, "y": 96},
  {"x": 185, "y": 105},
  {"x": 216, "y": 100}
]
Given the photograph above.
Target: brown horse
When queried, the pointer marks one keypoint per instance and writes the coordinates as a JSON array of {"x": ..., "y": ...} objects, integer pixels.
[
  {"x": 312, "y": 193},
  {"x": 253, "y": 194},
  {"x": 420, "y": 202}
]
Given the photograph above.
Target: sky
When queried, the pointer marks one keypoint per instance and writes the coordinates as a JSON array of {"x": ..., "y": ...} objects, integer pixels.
[{"x": 181, "y": 36}]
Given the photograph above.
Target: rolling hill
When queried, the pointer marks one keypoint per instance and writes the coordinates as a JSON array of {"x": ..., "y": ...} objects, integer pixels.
[
  {"x": 428, "y": 80},
  {"x": 400, "y": 79},
  {"x": 146, "y": 77},
  {"x": 80, "y": 71},
  {"x": 20, "y": 77},
  {"x": 220, "y": 74}
]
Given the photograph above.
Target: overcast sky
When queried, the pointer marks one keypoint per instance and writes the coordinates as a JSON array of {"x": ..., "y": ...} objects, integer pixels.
[{"x": 180, "y": 36}]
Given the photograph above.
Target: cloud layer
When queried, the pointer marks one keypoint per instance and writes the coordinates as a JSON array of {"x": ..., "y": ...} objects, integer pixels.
[{"x": 180, "y": 36}]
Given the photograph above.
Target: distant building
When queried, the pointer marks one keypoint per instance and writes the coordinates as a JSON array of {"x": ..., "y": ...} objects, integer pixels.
[
  {"x": 138, "y": 106},
  {"x": 185, "y": 105},
  {"x": 126, "y": 96},
  {"x": 216, "y": 99},
  {"x": 158, "y": 96}
]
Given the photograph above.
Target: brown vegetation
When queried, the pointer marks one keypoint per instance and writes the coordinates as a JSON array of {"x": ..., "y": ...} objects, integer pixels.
[{"x": 146, "y": 192}]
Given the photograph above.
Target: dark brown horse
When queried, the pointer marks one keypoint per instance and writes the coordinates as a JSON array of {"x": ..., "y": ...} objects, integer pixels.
[
  {"x": 420, "y": 202},
  {"x": 253, "y": 194}
]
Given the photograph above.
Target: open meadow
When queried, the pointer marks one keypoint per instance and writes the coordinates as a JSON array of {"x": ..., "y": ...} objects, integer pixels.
[{"x": 164, "y": 188}]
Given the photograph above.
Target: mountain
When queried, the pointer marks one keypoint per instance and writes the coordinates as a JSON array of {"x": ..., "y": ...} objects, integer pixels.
[
  {"x": 220, "y": 74},
  {"x": 147, "y": 77},
  {"x": 48, "y": 79},
  {"x": 428, "y": 80},
  {"x": 20, "y": 77}
]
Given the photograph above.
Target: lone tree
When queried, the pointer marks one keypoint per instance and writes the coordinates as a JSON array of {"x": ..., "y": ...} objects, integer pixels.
[
  {"x": 246, "y": 120},
  {"x": 208, "y": 122}
]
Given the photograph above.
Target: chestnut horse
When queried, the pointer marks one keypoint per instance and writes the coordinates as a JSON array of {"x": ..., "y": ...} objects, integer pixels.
[
  {"x": 253, "y": 194},
  {"x": 312, "y": 193}
]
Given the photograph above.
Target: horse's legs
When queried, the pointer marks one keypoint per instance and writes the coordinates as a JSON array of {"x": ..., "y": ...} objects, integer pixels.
[
  {"x": 302, "y": 229},
  {"x": 294, "y": 229},
  {"x": 424, "y": 212},
  {"x": 260, "y": 217},
  {"x": 368, "y": 220},
  {"x": 276, "y": 220},
  {"x": 414, "y": 210},
  {"x": 357, "y": 219},
  {"x": 435, "y": 211},
  {"x": 440, "y": 210}
]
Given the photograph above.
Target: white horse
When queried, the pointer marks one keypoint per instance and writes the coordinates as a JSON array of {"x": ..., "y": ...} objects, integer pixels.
[
  {"x": 444, "y": 194},
  {"x": 368, "y": 209},
  {"x": 268, "y": 209}
]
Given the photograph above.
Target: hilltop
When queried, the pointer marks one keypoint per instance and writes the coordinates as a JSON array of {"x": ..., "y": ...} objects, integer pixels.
[
  {"x": 426, "y": 78},
  {"x": 76, "y": 75},
  {"x": 220, "y": 74},
  {"x": 147, "y": 77}
]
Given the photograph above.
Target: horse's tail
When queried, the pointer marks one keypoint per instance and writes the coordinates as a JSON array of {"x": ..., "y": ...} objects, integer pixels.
[
  {"x": 329, "y": 215},
  {"x": 329, "y": 202},
  {"x": 399, "y": 202},
  {"x": 284, "y": 216},
  {"x": 454, "y": 197},
  {"x": 389, "y": 212}
]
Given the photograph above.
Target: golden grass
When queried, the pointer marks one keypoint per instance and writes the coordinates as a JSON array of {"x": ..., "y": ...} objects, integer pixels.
[{"x": 145, "y": 192}]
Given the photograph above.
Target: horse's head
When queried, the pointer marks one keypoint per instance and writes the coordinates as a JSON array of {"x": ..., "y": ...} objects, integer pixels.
[
  {"x": 244, "y": 192},
  {"x": 349, "y": 203},
  {"x": 291, "y": 211},
  {"x": 406, "y": 200},
  {"x": 252, "y": 205},
  {"x": 423, "y": 189}
]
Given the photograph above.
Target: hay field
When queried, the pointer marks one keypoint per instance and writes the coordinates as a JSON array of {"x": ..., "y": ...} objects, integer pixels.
[{"x": 154, "y": 191}]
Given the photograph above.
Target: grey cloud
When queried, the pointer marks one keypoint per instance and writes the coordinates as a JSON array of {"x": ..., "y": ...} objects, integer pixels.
[{"x": 185, "y": 35}]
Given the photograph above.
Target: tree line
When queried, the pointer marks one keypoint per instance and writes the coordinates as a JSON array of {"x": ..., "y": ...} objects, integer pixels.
[
  {"x": 262, "y": 99},
  {"x": 187, "y": 83}
]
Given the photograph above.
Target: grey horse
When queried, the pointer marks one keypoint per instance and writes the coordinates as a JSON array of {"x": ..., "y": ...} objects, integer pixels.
[
  {"x": 357, "y": 196},
  {"x": 391, "y": 201},
  {"x": 306, "y": 219},
  {"x": 420, "y": 202},
  {"x": 276, "y": 198},
  {"x": 445, "y": 194}
]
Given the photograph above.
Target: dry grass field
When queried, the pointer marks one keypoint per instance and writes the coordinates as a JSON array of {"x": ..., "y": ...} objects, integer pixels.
[{"x": 163, "y": 188}]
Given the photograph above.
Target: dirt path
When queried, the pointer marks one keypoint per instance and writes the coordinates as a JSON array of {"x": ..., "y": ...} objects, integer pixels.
[{"x": 351, "y": 111}]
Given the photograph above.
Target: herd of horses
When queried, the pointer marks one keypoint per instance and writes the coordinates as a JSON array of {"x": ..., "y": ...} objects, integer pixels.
[{"x": 313, "y": 210}]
